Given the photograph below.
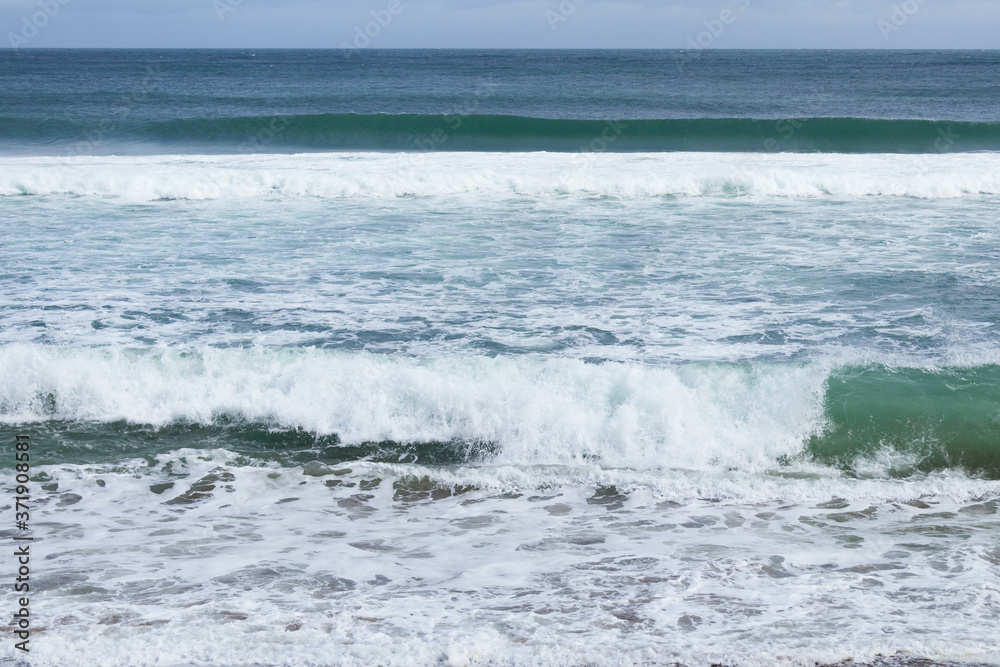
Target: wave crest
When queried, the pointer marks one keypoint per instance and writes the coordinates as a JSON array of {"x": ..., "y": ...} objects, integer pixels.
[
  {"x": 528, "y": 411},
  {"x": 382, "y": 175}
]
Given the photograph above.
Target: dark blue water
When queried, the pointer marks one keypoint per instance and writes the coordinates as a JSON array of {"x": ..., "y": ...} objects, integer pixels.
[{"x": 198, "y": 101}]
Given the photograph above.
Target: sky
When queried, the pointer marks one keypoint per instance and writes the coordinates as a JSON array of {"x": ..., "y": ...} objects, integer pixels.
[{"x": 728, "y": 24}]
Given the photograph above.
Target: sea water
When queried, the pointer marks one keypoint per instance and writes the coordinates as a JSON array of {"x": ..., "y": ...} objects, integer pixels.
[{"x": 504, "y": 358}]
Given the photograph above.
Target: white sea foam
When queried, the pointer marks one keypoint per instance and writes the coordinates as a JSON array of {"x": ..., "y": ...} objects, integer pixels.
[
  {"x": 238, "y": 564},
  {"x": 634, "y": 513},
  {"x": 390, "y": 175},
  {"x": 553, "y": 411}
]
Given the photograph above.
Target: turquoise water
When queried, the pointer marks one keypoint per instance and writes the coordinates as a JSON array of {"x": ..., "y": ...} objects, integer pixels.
[{"x": 505, "y": 357}]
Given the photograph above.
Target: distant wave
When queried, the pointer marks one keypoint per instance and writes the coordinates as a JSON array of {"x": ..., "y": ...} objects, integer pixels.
[
  {"x": 389, "y": 175},
  {"x": 748, "y": 417},
  {"x": 414, "y": 132}
]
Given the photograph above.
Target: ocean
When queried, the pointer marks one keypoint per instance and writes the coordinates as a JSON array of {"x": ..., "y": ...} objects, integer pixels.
[{"x": 364, "y": 357}]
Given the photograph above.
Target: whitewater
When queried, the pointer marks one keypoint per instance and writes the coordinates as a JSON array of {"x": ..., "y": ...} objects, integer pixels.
[
  {"x": 367, "y": 175},
  {"x": 504, "y": 358},
  {"x": 658, "y": 408}
]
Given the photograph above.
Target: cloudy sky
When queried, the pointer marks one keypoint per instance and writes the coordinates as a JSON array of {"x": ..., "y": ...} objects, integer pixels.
[{"x": 897, "y": 24}]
